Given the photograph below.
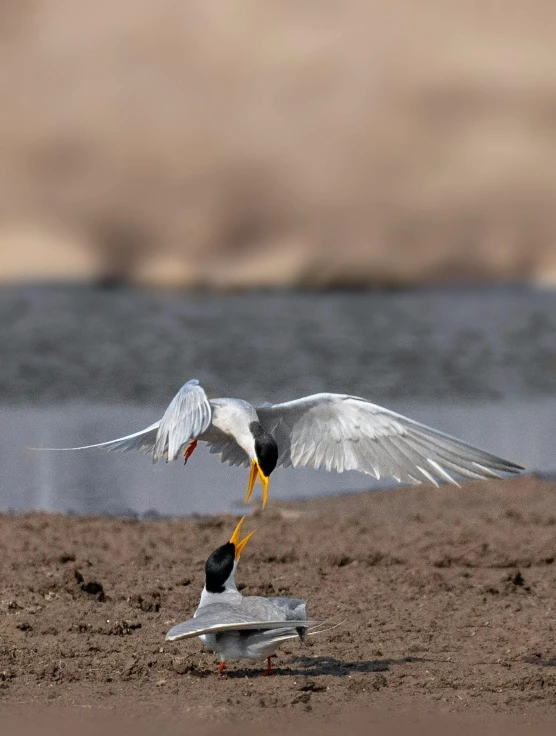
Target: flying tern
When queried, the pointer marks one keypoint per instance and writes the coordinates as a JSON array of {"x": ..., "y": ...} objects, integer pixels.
[
  {"x": 241, "y": 627},
  {"x": 333, "y": 431}
]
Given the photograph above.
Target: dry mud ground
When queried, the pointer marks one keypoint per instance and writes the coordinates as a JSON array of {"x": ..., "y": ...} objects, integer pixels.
[{"x": 447, "y": 598}]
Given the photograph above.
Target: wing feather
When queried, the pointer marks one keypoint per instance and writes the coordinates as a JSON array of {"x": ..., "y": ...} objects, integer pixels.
[
  {"x": 251, "y": 613},
  {"x": 192, "y": 627},
  {"x": 143, "y": 440},
  {"x": 188, "y": 415},
  {"x": 218, "y": 617},
  {"x": 341, "y": 432}
]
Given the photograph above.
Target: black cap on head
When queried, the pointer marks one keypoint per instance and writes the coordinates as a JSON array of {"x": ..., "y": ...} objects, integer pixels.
[
  {"x": 266, "y": 448},
  {"x": 218, "y": 567}
]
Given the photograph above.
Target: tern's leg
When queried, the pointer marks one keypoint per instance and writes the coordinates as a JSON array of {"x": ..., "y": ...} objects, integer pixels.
[
  {"x": 189, "y": 450},
  {"x": 269, "y": 667},
  {"x": 221, "y": 668}
]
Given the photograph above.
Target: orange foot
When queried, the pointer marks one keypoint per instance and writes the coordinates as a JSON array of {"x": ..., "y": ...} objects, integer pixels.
[
  {"x": 189, "y": 451},
  {"x": 221, "y": 668}
]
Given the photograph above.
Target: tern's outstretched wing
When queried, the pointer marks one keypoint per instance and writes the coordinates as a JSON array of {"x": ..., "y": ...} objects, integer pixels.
[
  {"x": 219, "y": 617},
  {"x": 143, "y": 440},
  {"x": 188, "y": 415},
  {"x": 340, "y": 432}
]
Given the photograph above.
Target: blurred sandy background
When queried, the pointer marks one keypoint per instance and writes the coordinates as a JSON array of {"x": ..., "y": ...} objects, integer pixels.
[{"x": 266, "y": 143}]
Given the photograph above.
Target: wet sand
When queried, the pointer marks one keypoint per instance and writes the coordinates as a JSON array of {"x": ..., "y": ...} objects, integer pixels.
[{"x": 447, "y": 599}]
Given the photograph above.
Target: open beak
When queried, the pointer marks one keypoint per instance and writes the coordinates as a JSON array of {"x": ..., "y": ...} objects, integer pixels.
[
  {"x": 256, "y": 471},
  {"x": 234, "y": 539}
]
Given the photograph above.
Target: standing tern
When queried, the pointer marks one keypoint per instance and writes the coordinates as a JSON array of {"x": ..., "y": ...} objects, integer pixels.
[
  {"x": 333, "y": 431},
  {"x": 241, "y": 627}
]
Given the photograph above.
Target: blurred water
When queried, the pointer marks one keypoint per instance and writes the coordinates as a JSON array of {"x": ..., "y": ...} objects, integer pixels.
[{"x": 81, "y": 366}]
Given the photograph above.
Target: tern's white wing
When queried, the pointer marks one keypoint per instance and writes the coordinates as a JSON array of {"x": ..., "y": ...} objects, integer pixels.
[
  {"x": 218, "y": 617},
  {"x": 188, "y": 415},
  {"x": 340, "y": 432},
  {"x": 143, "y": 440}
]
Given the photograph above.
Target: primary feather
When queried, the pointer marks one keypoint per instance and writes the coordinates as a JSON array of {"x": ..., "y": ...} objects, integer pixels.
[
  {"x": 219, "y": 617},
  {"x": 342, "y": 432}
]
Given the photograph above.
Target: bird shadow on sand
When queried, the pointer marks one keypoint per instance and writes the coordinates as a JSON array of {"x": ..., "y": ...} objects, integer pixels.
[
  {"x": 327, "y": 666},
  {"x": 540, "y": 662}
]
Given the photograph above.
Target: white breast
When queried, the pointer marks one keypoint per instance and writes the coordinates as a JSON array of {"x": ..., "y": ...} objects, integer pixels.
[{"x": 233, "y": 417}]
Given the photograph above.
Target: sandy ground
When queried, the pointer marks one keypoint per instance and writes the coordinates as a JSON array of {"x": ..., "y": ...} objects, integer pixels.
[{"x": 447, "y": 599}]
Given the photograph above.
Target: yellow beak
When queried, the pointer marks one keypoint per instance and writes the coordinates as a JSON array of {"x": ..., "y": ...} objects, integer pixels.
[
  {"x": 256, "y": 471},
  {"x": 234, "y": 539}
]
